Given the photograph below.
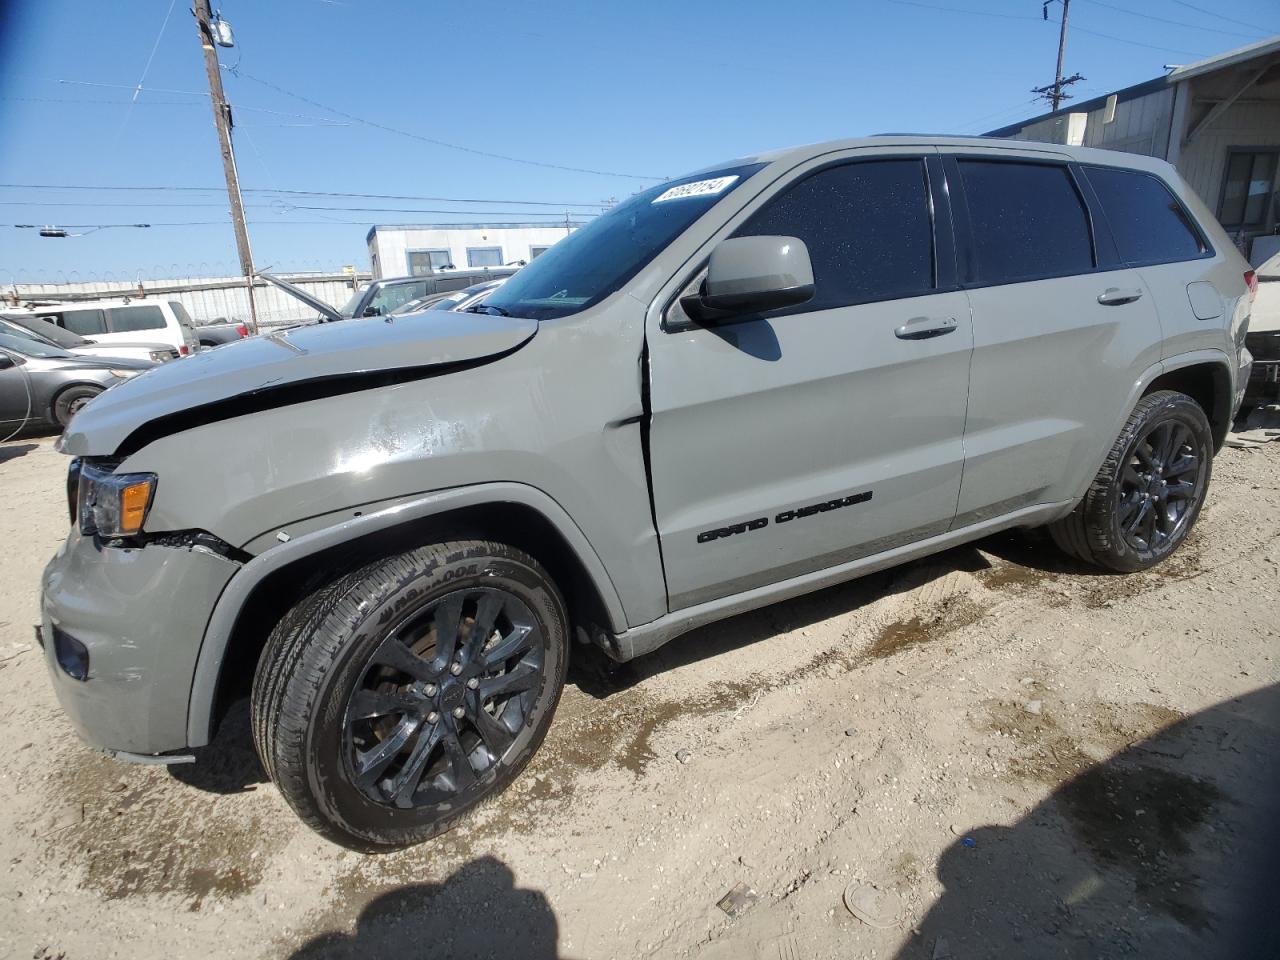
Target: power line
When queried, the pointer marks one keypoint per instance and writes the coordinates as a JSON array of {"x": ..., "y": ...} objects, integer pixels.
[
  {"x": 276, "y": 223},
  {"x": 439, "y": 143},
  {"x": 1013, "y": 16},
  {"x": 561, "y": 204},
  {"x": 1175, "y": 23},
  {"x": 288, "y": 207}
]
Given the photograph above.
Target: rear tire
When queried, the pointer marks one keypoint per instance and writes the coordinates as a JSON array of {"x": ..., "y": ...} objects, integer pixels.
[
  {"x": 69, "y": 402},
  {"x": 1148, "y": 494},
  {"x": 393, "y": 701}
]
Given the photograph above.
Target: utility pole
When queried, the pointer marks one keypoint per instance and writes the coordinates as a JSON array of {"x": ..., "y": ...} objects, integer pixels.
[
  {"x": 1055, "y": 93},
  {"x": 1062, "y": 49},
  {"x": 222, "y": 121}
]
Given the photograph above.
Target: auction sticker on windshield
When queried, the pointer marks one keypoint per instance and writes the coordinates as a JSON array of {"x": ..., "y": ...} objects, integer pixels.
[{"x": 699, "y": 188}]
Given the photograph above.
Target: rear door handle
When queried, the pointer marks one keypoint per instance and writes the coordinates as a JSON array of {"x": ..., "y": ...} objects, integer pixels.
[
  {"x": 1114, "y": 296},
  {"x": 923, "y": 328}
]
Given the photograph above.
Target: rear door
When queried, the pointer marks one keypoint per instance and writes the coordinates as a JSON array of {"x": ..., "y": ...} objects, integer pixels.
[
  {"x": 1062, "y": 331},
  {"x": 799, "y": 439}
]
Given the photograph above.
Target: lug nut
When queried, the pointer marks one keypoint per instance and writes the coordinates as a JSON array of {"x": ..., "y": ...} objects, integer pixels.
[
  {"x": 456, "y": 669},
  {"x": 432, "y": 717},
  {"x": 459, "y": 712},
  {"x": 429, "y": 689},
  {"x": 472, "y": 683}
]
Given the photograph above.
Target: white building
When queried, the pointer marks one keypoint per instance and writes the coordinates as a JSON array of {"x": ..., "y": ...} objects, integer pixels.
[
  {"x": 1217, "y": 121},
  {"x": 417, "y": 249}
]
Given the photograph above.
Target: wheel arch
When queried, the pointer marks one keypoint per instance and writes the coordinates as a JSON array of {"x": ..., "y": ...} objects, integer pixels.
[
  {"x": 1206, "y": 378},
  {"x": 269, "y": 584}
]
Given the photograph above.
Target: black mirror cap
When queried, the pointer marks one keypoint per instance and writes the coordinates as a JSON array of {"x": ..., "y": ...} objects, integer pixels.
[{"x": 761, "y": 300}]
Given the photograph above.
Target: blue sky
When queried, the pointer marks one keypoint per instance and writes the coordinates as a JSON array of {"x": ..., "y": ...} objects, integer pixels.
[{"x": 649, "y": 90}]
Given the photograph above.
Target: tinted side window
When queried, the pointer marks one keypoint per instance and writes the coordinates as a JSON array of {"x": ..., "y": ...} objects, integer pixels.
[
  {"x": 1147, "y": 221},
  {"x": 128, "y": 319},
  {"x": 1027, "y": 221},
  {"x": 180, "y": 312},
  {"x": 867, "y": 227},
  {"x": 86, "y": 323}
]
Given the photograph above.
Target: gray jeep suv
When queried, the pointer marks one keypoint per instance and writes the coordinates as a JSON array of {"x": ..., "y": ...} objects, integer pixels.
[{"x": 732, "y": 388}]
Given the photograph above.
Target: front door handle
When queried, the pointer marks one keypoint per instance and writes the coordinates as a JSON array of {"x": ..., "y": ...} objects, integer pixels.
[
  {"x": 1114, "y": 296},
  {"x": 923, "y": 328}
]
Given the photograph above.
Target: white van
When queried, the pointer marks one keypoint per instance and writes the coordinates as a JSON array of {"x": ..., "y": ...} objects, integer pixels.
[{"x": 126, "y": 321}]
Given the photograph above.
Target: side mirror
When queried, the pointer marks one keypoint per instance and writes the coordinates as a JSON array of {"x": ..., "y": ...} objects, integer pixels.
[
  {"x": 752, "y": 275},
  {"x": 6, "y": 361}
]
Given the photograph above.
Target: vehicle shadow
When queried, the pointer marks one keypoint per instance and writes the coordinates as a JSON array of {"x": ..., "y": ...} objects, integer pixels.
[
  {"x": 1168, "y": 849},
  {"x": 595, "y": 674},
  {"x": 230, "y": 763},
  {"x": 12, "y": 451},
  {"x": 476, "y": 912}
]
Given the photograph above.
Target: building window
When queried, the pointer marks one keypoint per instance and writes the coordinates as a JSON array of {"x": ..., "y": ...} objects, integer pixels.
[
  {"x": 423, "y": 262},
  {"x": 535, "y": 252},
  {"x": 484, "y": 256},
  {"x": 1248, "y": 187}
]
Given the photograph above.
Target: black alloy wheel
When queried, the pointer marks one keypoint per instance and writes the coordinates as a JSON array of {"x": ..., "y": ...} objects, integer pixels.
[{"x": 442, "y": 698}]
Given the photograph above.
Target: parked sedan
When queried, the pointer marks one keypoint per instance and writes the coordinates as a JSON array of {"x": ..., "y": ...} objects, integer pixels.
[
  {"x": 457, "y": 300},
  {"x": 44, "y": 385}
]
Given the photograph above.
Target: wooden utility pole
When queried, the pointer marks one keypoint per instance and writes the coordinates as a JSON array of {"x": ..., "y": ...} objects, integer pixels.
[
  {"x": 222, "y": 121},
  {"x": 1062, "y": 49},
  {"x": 1055, "y": 92}
]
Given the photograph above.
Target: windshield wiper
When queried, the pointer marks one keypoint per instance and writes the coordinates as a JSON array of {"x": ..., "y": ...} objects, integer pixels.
[{"x": 486, "y": 308}]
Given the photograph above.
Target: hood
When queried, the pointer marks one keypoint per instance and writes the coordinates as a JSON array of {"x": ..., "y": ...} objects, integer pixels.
[{"x": 293, "y": 366}]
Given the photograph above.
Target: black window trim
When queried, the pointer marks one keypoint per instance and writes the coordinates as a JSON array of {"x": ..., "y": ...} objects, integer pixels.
[
  {"x": 1103, "y": 254},
  {"x": 940, "y": 218},
  {"x": 1206, "y": 247}
]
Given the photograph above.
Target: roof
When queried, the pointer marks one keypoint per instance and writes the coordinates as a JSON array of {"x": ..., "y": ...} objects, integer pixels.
[{"x": 1188, "y": 71}]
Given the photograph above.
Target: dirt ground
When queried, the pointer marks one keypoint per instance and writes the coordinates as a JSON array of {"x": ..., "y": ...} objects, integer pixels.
[{"x": 1025, "y": 757}]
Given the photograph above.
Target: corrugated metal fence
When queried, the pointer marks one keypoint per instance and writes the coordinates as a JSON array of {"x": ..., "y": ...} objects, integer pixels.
[{"x": 206, "y": 298}]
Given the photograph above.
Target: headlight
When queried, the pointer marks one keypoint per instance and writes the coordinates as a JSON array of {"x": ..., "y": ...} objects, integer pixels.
[
  {"x": 124, "y": 374},
  {"x": 162, "y": 356},
  {"x": 113, "y": 504}
]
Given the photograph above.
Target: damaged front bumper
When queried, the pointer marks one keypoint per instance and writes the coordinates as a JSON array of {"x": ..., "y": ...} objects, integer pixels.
[{"x": 121, "y": 630}]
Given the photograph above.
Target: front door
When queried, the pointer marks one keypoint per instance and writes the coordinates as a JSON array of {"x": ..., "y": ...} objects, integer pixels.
[{"x": 803, "y": 438}]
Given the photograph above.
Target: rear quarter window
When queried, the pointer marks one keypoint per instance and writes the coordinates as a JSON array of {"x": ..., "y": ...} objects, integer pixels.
[
  {"x": 86, "y": 323},
  {"x": 1146, "y": 219},
  {"x": 128, "y": 319},
  {"x": 1027, "y": 220}
]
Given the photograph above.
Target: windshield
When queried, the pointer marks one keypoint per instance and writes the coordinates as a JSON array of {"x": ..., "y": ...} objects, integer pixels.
[
  {"x": 349, "y": 308},
  {"x": 594, "y": 261},
  {"x": 31, "y": 348},
  {"x": 43, "y": 331}
]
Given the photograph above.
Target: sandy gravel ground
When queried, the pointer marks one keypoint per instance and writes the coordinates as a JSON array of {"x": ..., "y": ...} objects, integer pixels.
[{"x": 1024, "y": 757}]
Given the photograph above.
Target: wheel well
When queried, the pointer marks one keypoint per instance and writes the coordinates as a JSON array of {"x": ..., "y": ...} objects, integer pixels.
[
  {"x": 1209, "y": 385},
  {"x": 510, "y": 523}
]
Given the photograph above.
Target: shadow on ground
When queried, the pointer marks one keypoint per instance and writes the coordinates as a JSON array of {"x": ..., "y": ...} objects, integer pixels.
[
  {"x": 1169, "y": 849},
  {"x": 12, "y": 451},
  {"x": 596, "y": 675},
  {"x": 476, "y": 912},
  {"x": 230, "y": 763}
]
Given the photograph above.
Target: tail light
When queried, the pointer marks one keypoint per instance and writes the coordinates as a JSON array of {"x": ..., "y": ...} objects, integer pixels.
[
  {"x": 183, "y": 350},
  {"x": 1251, "y": 280},
  {"x": 242, "y": 330}
]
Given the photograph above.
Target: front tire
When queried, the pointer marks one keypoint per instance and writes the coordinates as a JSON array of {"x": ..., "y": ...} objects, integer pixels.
[
  {"x": 1148, "y": 494},
  {"x": 393, "y": 701},
  {"x": 69, "y": 402}
]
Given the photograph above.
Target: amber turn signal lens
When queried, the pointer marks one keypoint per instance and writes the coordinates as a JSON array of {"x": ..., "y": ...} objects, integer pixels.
[{"x": 134, "y": 500}]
